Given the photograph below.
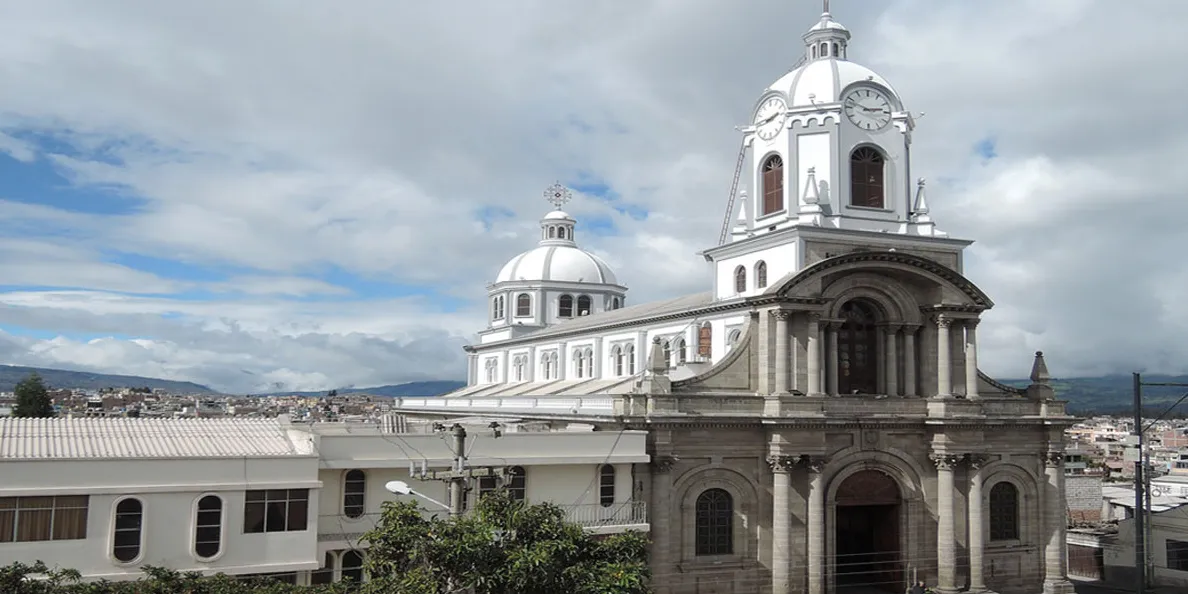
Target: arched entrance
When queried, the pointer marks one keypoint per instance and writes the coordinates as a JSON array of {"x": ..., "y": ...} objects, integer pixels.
[
  {"x": 868, "y": 555},
  {"x": 857, "y": 340}
]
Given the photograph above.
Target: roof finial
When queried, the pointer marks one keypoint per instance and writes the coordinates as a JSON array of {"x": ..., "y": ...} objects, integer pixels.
[
  {"x": 558, "y": 195},
  {"x": 921, "y": 205},
  {"x": 826, "y": 2}
]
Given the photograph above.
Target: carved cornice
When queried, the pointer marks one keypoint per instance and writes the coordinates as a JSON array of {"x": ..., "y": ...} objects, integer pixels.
[
  {"x": 663, "y": 464},
  {"x": 781, "y": 463},
  {"x": 980, "y": 299},
  {"x": 946, "y": 461}
]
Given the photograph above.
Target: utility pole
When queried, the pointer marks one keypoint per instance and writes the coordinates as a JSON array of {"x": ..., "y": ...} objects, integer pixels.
[
  {"x": 459, "y": 475},
  {"x": 1143, "y": 564}
]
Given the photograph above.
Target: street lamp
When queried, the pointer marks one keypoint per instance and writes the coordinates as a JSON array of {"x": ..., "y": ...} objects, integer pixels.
[{"x": 402, "y": 488}]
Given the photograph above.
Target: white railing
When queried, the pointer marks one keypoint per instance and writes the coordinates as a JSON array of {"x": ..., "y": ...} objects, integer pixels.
[{"x": 619, "y": 513}]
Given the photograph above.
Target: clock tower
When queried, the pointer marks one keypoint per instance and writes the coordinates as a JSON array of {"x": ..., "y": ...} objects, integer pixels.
[{"x": 828, "y": 150}]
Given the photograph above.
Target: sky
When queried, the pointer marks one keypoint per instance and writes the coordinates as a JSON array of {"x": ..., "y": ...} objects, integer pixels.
[{"x": 272, "y": 195}]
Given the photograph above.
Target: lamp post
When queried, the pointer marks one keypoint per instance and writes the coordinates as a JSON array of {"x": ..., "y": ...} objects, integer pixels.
[{"x": 402, "y": 488}]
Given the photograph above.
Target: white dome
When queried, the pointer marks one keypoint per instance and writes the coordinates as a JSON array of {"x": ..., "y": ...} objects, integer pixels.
[
  {"x": 558, "y": 263},
  {"x": 825, "y": 80}
]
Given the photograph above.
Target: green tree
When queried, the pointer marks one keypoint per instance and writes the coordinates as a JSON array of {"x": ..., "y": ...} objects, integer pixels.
[
  {"x": 503, "y": 547},
  {"x": 32, "y": 398}
]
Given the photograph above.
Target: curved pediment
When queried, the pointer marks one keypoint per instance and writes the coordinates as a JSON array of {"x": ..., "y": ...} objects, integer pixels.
[{"x": 808, "y": 282}]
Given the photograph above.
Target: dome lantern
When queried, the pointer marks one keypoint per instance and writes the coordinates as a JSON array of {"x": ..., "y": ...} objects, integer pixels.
[{"x": 827, "y": 39}]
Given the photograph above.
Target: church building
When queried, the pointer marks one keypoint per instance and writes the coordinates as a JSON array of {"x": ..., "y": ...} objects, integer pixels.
[{"x": 816, "y": 420}]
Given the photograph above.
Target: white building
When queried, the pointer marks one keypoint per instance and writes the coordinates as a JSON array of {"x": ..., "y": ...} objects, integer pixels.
[{"x": 107, "y": 496}]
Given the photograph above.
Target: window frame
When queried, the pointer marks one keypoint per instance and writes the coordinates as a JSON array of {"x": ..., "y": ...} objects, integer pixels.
[
  {"x": 606, "y": 485},
  {"x": 361, "y": 506},
  {"x": 761, "y": 274},
  {"x": 195, "y": 526},
  {"x": 863, "y": 166},
  {"x": 16, "y": 510},
  {"x": 713, "y": 526},
  {"x": 740, "y": 279},
  {"x": 578, "y": 309},
  {"x": 518, "y": 492},
  {"x": 1176, "y": 552},
  {"x": 771, "y": 178},
  {"x": 523, "y": 305},
  {"x": 266, "y": 507},
  {"x": 705, "y": 340},
  {"x": 562, "y": 306},
  {"x": 995, "y": 530},
  {"x": 113, "y": 545}
]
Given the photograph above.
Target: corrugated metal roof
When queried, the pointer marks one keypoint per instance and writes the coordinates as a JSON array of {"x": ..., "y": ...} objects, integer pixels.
[{"x": 120, "y": 437}]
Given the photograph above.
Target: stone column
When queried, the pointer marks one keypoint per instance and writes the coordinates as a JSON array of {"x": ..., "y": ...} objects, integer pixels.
[
  {"x": 782, "y": 355},
  {"x": 816, "y": 526},
  {"x": 971, "y": 359},
  {"x": 946, "y": 536},
  {"x": 814, "y": 354},
  {"x": 831, "y": 384},
  {"x": 977, "y": 538},
  {"x": 662, "y": 527},
  {"x": 781, "y": 523},
  {"x": 891, "y": 362},
  {"x": 880, "y": 356},
  {"x": 530, "y": 367},
  {"x": 909, "y": 360},
  {"x": 944, "y": 355},
  {"x": 1056, "y": 526}
]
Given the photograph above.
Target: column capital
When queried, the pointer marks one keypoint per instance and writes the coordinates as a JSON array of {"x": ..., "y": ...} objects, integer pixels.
[
  {"x": 814, "y": 464},
  {"x": 781, "y": 314},
  {"x": 1053, "y": 459},
  {"x": 945, "y": 461},
  {"x": 814, "y": 317},
  {"x": 942, "y": 320},
  {"x": 662, "y": 464},
  {"x": 834, "y": 324},
  {"x": 971, "y": 322},
  {"x": 976, "y": 461},
  {"x": 781, "y": 463},
  {"x": 892, "y": 327}
]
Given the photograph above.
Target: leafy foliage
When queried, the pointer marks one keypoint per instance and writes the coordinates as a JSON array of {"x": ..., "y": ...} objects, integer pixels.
[
  {"x": 32, "y": 398},
  {"x": 503, "y": 547},
  {"x": 19, "y": 578}
]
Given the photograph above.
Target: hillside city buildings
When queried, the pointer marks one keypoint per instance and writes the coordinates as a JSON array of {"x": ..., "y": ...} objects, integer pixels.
[{"x": 815, "y": 421}]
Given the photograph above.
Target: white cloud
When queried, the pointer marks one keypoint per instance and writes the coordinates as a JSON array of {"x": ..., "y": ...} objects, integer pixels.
[{"x": 286, "y": 142}]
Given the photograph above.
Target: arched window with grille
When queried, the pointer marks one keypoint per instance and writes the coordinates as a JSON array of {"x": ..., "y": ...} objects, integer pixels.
[
  {"x": 773, "y": 185},
  {"x": 714, "y": 531},
  {"x": 761, "y": 275},
  {"x": 523, "y": 305},
  {"x": 565, "y": 306},
  {"x": 583, "y": 305},
  {"x": 857, "y": 345},
  {"x": 578, "y": 363},
  {"x": 629, "y": 354},
  {"x": 1004, "y": 511},
  {"x": 705, "y": 340},
  {"x": 129, "y": 528},
  {"x": 682, "y": 351},
  {"x": 606, "y": 485},
  {"x": 354, "y": 486},
  {"x": 866, "y": 178},
  {"x": 517, "y": 483},
  {"x": 740, "y": 280},
  {"x": 208, "y": 527},
  {"x": 617, "y": 359}
]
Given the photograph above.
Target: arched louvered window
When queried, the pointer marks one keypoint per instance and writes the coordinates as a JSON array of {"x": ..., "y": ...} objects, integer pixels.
[
  {"x": 565, "y": 306},
  {"x": 714, "y": 531},
  {"x": 354, "y": 488},
  {"x": 583, "y": 305},
  {"x": 1004, "y": 512},
  {"x": 682, "y": 351},
  {"x": 208, "y": 527},
  {"x": 629, "y": 354},
  {"x": 761, "y": 274},
  {"x": 773, "y": 184},
  {"x": 606, "y": 485},
  {"x": 705, "y": 340},
  {"x": 866, "y": 177},
  {"x": 740, "y": 280},
  {"x": 523, "y": 305},
  {"x": 129, "y": 525},
  {"x": 617, "y": 359}
]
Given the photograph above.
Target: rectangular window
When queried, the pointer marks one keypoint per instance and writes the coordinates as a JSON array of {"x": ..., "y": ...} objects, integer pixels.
[
  {"x": 31, "y": 519},
  {"x": 276, "y": 510},
  {"x": 1177, "y": 555}
]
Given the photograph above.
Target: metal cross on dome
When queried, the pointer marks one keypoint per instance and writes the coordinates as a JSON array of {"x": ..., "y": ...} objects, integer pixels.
[{"x": 558, "y": 195}]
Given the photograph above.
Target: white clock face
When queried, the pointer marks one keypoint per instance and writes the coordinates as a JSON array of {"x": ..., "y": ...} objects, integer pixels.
[
  {"x": 867, "y": 108},
  {"x": 770, "y": 118}
]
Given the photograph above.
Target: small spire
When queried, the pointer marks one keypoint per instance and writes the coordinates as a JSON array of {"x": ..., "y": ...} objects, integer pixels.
[
  {"x": 825, "y": 10},
  {"x": 811, "y": 193},
  {"x": 921, "y": 204},
  {"x": 1039, "y": 370},
  {"x": 742, "y": 207}
]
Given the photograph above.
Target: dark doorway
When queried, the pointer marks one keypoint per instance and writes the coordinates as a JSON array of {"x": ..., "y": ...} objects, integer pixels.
[
  {"x": 857, "y": 340},
  {"x": 867, "y": 546}
]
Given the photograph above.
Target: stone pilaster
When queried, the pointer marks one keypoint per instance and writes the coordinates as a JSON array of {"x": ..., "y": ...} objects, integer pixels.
[
  {"x": 781, "y": 522},
  {"x": 813, "y": 336},
  {"x": 783, "y": 356},
  {"x": 977, "y": 536},
  {"x": 971, "y": 359},
  {"x": 909, "y": 361},
  {"x": 946, "y": 536},
  {"x": 816, "y": 525},
  {"x": 831, "y": 362},
  {"x": 944, "y": 357},
  {"x": 662, "y": 561},
  {"x": 891, "y": 362},
  {"x": 1056, "y": 526}
]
